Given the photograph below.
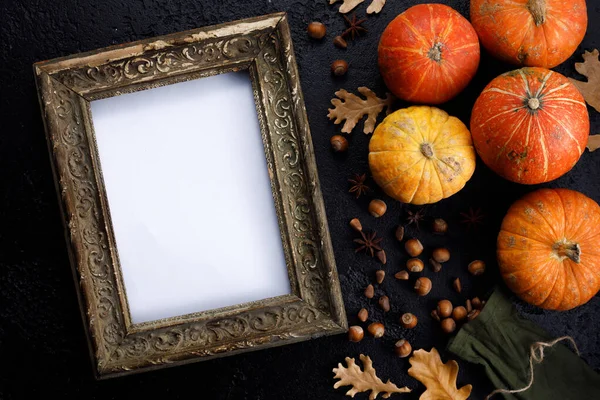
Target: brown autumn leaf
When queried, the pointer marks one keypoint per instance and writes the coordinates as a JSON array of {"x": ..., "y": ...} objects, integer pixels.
[
  {"x": 438, "y": 378},
  {"x": 593, "y": 143},
  {"x": 347, "y": 5},
  {"x": 590, "y": 68},
  {"x": 353, "y": 108},
  {"x": 363, "y": 381},
  {"x": 375, "y": 6}
]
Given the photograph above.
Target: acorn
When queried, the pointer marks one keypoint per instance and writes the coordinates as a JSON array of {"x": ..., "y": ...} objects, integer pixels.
[
  {"x": 408, "y": 320},
  {"x": 339, "y": 67},
  {"x": 340, "y": 42},
  {"x": 377, "y": 208},
  {"x": 339, "y": 144},
  {"x": 402, "y": 348},
  {"x": 316, "y": 30},
  {"x": 423, "y": 286}
]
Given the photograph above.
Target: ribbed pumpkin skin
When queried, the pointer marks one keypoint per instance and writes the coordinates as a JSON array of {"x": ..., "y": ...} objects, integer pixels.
[
  {"x": 409, "y": 60},
  {"x": 527, "y": 145},
  {"x": 508, "y": 29},
  {"x": 527, "y": 253},
  {"x": 421, "y": 155}
]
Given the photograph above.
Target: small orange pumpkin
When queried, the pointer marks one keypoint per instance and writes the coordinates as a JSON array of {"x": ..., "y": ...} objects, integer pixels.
[
  {"x": 549, "y": 248},
  {"x": 535, "y": 33},
  {"x": 421, "y": 155}
]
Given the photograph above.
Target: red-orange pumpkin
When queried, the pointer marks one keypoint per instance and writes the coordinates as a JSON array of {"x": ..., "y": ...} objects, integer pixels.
[
  {"x": 535, "y": 33},
  {"x": 530, "y": 125},
  {"x": 549, "y": 248},
  {"x": 428, "y": 54}
]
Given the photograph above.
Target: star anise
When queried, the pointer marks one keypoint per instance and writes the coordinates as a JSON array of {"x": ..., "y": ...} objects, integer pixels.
[
  {"x": 355, "y": 27},
  {"x": 369, "y": 243},
  {"x": 472, "y": 218},
  {"x": 358, "y": 185},
  {"x": 413, "y": 218}
]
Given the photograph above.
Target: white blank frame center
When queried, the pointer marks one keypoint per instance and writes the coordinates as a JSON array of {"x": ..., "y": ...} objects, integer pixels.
[{"x": 190, "y": 198}]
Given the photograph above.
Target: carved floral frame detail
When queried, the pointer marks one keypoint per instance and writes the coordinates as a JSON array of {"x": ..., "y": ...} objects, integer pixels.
[{"x": 263, "y": 46}]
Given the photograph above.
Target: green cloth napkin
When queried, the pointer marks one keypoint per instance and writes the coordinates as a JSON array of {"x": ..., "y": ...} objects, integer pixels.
[{"x": 499, "y": 339}]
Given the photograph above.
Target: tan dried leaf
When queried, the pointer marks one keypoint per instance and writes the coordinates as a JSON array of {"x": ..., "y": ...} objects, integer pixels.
[
  {"x": 347, "y": 5},
  {"x": 353, "y": 108},
  {"x": 363, "y": 381},
  {"x": 590, "y": 68},
  {"x": 438, "y": 378},
  {"x": 375, "y": 6},
  {"x": 593, "y": 143}
]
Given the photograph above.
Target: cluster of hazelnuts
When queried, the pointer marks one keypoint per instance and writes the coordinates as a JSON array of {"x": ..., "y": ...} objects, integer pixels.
[
  {"x": 317, "y": 30},
  {"x": 449, "y": 316}
]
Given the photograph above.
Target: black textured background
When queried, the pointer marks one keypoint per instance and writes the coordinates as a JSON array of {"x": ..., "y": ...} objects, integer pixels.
[{"x": 42, "y": 343}]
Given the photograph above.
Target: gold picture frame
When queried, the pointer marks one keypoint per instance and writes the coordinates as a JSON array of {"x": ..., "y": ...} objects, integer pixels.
[{"x": 263, "y": 46}]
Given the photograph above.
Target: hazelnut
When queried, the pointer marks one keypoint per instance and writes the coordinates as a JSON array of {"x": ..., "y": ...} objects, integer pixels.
[
  {"x": 459, "y": 313},
  {"x": 340, "y": 42},
  {"x": 380, "y": 276},
  {"x": 384, "y": 303},
  {"x": 402, "y": 275},
  {"x": 477, "y": 267},
  {"x": 476, "y": 303},
  {"x": 457, "y": 285},
  {"x": 400, "y": 233},
  {"x": 369, "y": 292},
  {"x": 423, "y": 286},
  {"x": 441, "y": 255},
  {"x": 468, "y": 306},
  {"x": 363, "y": 315},
  {"x": 473, "y": 314},
  {"x": 437, "y": 267},
  {"x": 414, "y": 265},
  {"x": 316, "y": 30},
  {"x": 402, "y": 348},
  {"x": 408, "y": 320},
  {"x": 339, "y": 143},
  {"x": 356, "y": 333},
  {"x": 339, "y": 67},
  {"x": 440, "y": 226},
  {"x": 448, "y": 325},
  {"x": 377, "y": 208},
  {"x": 434, "y": 315},
  {"x": 413, "y": 247},
  {"x": 381, "y": 256},
  {"x": 444, "y": 308},
  {"x": 356, "y": 225},
  {"x": 376, "y": 329}
]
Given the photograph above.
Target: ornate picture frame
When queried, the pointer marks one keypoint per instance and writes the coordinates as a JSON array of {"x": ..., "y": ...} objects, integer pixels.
[{"x": 263, "y": 46}]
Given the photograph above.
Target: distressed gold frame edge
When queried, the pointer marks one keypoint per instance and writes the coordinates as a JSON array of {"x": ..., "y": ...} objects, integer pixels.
[{"x": 66, "y": 86}]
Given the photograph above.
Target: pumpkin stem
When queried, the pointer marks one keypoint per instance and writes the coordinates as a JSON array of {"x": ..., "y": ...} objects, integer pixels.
[
  {"x": 435, "y": 53},
  {"x": 533, "y": 103},
  {"x": 564, "y": 248},
  {"x": 537, "y": 8},
  {"x": 426, "y": 150}
]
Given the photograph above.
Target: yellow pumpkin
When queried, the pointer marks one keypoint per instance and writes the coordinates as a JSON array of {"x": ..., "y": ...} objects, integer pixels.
[{"x": 421, "y": 155}]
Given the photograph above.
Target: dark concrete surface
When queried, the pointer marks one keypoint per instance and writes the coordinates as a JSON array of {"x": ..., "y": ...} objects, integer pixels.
[{"x": 43, "y": 352}]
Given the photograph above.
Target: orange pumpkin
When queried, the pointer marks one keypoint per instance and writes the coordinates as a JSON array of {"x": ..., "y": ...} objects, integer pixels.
[
  {"x": 428, "y": 54},
  {"x": 421, "y": 155},
  {"x": 549, "y": 248},
  {"x": 530, "y": 126},
  {"x": 535, "y": 33}
]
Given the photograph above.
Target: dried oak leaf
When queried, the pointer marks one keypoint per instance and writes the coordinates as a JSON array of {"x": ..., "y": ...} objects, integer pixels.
[
  {"x": 590, "y": 68},
  {"x": 363, "y": 381},
  {"x": 593, "y": 143},
  {"x": 375, "y": 6},
  {"x": 349, "y": 5},
  {"x": 438, "y": 378},
  {"x": 353, "y": 108}
]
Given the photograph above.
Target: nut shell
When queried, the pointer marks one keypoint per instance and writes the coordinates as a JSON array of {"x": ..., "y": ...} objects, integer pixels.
[
  {"x": 448, "y": 325},
  {"x": 408, "y": 321},
  {"x": 413, "y": 247},
  {"x": 415, "y": 265},
  {"x": 477, "y": 267},
  {"x": 444, "y": 308},
  {"x": 459, "y": 313},
  {"x": 377, "y": 208},
  {"x": 423, "y": 286},
  {"x": 363, "y": 315},
  {"x": 376, "y": 329},
  {"x": 339, "y": 67},
  {"x": 402, "y": 348},
  {"x": 316, "y": 30},
  {"x": 339, "y": 143},
  {"x": 441, "y": 255},
  {"x": 356, "y": 333}
]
